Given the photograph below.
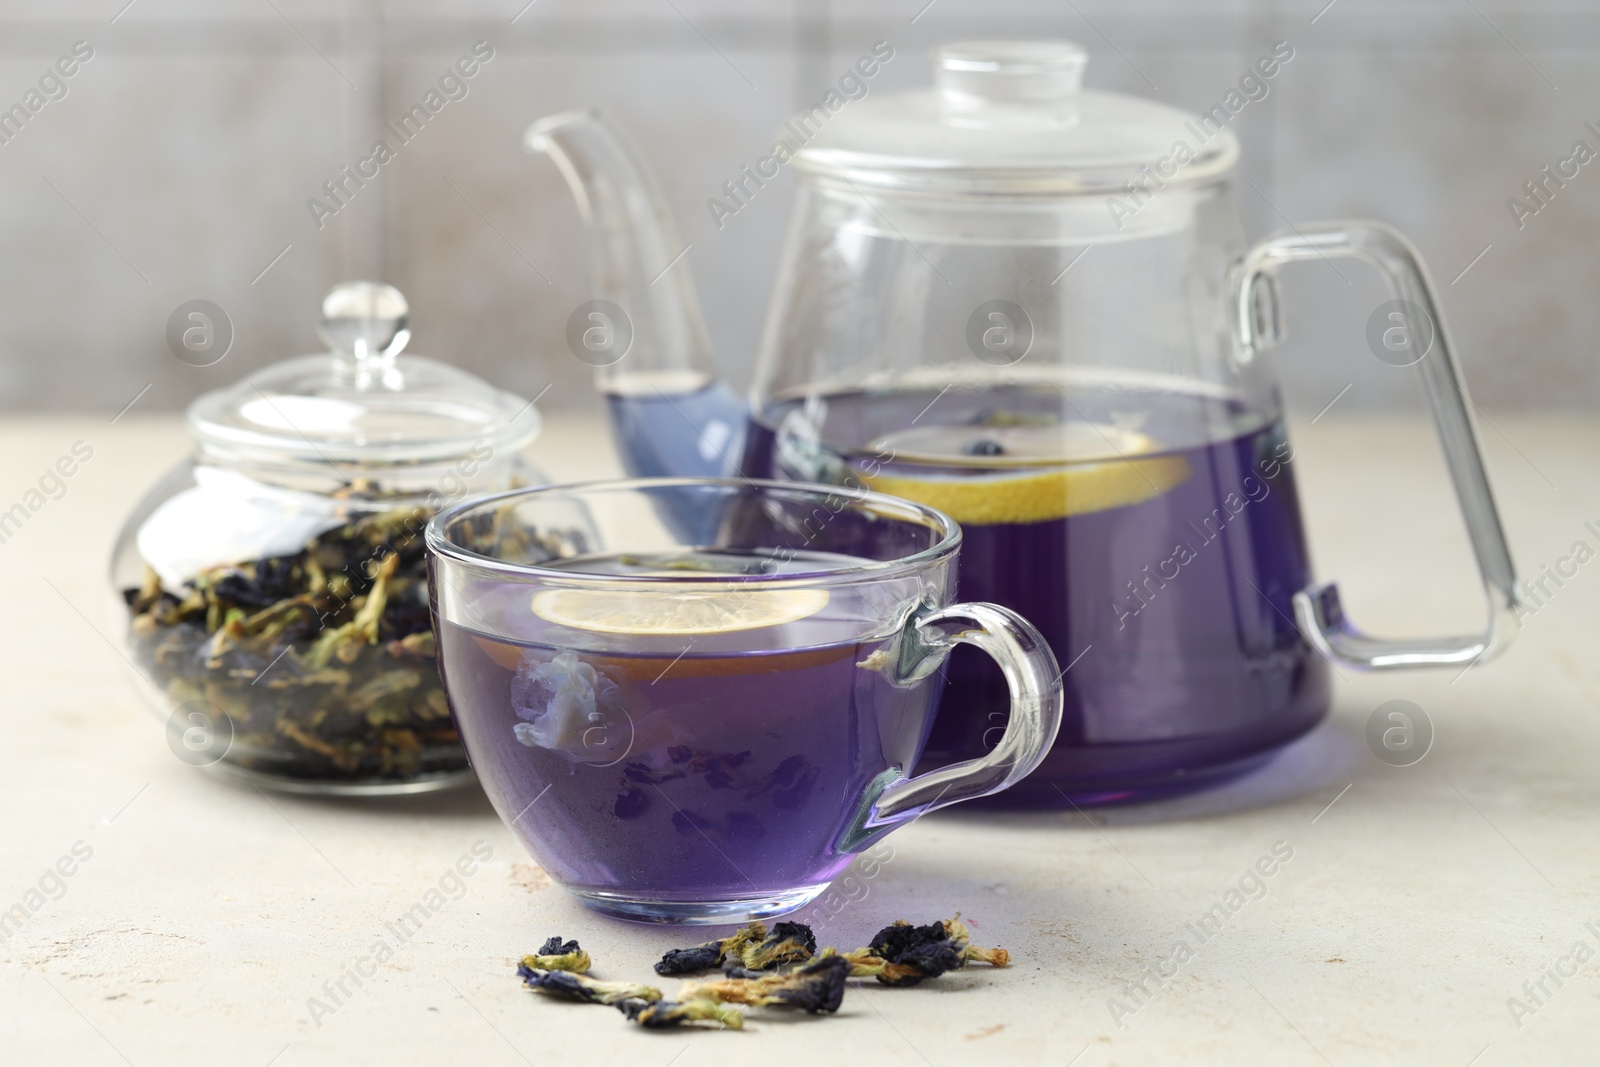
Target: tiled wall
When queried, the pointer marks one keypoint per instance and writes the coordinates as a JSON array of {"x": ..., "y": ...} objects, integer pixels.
[{"x": 179, "y": 162}]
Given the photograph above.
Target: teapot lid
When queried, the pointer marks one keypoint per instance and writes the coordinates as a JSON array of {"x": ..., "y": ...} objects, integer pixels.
[
  {"x": 1012, "y": 116},
  {"x": 361, "y": 402}
]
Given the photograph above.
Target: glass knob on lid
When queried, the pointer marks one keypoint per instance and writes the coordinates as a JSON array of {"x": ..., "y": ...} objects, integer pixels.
[
  {"x": 1009, "y": 117},
  {"x": 361, "y": 403},
  {"x": 1033, "y": 81},
  {"x": 367, "y": 321}
]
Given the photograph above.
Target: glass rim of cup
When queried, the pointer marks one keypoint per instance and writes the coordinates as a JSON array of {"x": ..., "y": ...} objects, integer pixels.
[{"x": 440, "y": 543}]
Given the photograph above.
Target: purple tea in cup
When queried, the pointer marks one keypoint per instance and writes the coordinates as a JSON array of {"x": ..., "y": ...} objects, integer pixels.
[{"x": 700, "y": 733}]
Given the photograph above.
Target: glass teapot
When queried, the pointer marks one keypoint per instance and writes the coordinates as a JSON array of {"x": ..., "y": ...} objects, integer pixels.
[
  {"x": 272, "y": 588},
  {"x": 1032, "y": 306}
]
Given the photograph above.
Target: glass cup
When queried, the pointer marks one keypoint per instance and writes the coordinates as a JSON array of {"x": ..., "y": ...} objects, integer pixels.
[{"x": 693, "y": 700}]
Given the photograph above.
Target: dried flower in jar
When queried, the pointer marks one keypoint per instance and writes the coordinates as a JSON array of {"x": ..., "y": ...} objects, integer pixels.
[{"x": 323, "y": 660}]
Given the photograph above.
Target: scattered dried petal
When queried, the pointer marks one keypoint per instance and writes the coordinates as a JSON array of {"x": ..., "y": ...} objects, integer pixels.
[
  {"x": 995, "y": 957},
  {"x": 817, "y": 986},
  {"x": 904, "y": 955},
  {"x": 581, "y": 987},
  {"x": 663, "y": 1014},
  {"x": 900, "y": 955},
  {"x": 708, "y": 956},
  {"x": 788, "y": 943},
  {"x": 556, "y": 955}
]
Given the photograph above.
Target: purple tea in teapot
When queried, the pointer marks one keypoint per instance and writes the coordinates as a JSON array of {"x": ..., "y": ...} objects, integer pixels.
[
  {"x": 1159, "y": 563},
  {"x": 1032, "y": 305}
]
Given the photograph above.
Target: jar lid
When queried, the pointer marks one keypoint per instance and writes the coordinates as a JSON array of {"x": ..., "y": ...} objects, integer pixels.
[
  {"x": 1011, "y": 117},
  {"x": 361, "y": 402}
]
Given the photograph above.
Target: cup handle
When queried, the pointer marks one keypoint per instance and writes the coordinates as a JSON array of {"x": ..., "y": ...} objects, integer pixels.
[
  {"x": 1034, "y": 680},
  {"x": 1318, "y": 611}
]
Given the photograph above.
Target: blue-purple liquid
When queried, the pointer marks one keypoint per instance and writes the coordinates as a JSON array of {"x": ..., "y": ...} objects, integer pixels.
[
  {"x": 693, "y": 769},
  {"x": 1172, "y": 615},
  {"x": 697, "y": 433}
]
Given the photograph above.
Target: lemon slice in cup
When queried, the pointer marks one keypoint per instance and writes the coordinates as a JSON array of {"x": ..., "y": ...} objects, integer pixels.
[{"x": 673, "y": 611}]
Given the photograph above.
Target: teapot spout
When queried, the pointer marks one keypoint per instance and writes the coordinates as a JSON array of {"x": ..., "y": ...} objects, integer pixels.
[{"x": 642, "y": 329}]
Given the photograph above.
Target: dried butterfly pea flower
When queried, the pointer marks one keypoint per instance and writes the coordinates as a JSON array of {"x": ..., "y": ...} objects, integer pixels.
[
  {"x": 663, "y": 1014},
  {"x": 322, "y": 659},
  {"x": 555, "y": 971},
  {"x": 689, "y": 960},
  {"x": 817, "y": 986},
  {"x": 417, "y": 646},
  {"x": 631, "y": 803},
  {"x": 900, "y": 955},
  {"x": 904, "y": 955},
  {"x": 788, "y": 943},
  {"x": 994, "y": 957},
  {"x": 581, "y": 987},
  {"x": 930, "y": 963},
  {"x": 707, "y": 956},
  {"x": 556, "y": 955},
  {"x": 646, "y": 775}
]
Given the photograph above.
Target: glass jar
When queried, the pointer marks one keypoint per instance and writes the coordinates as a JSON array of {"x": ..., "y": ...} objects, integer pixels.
[{"x": 272, "y": 590}]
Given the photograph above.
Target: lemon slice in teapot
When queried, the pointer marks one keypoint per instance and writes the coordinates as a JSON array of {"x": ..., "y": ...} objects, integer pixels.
[
  {"x": 1024, "y": 470},
  {"x": 671, "y": 611}
]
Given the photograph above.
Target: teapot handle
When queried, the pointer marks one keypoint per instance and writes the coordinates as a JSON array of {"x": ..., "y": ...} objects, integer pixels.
[{"x": 1318, "y": 611}]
